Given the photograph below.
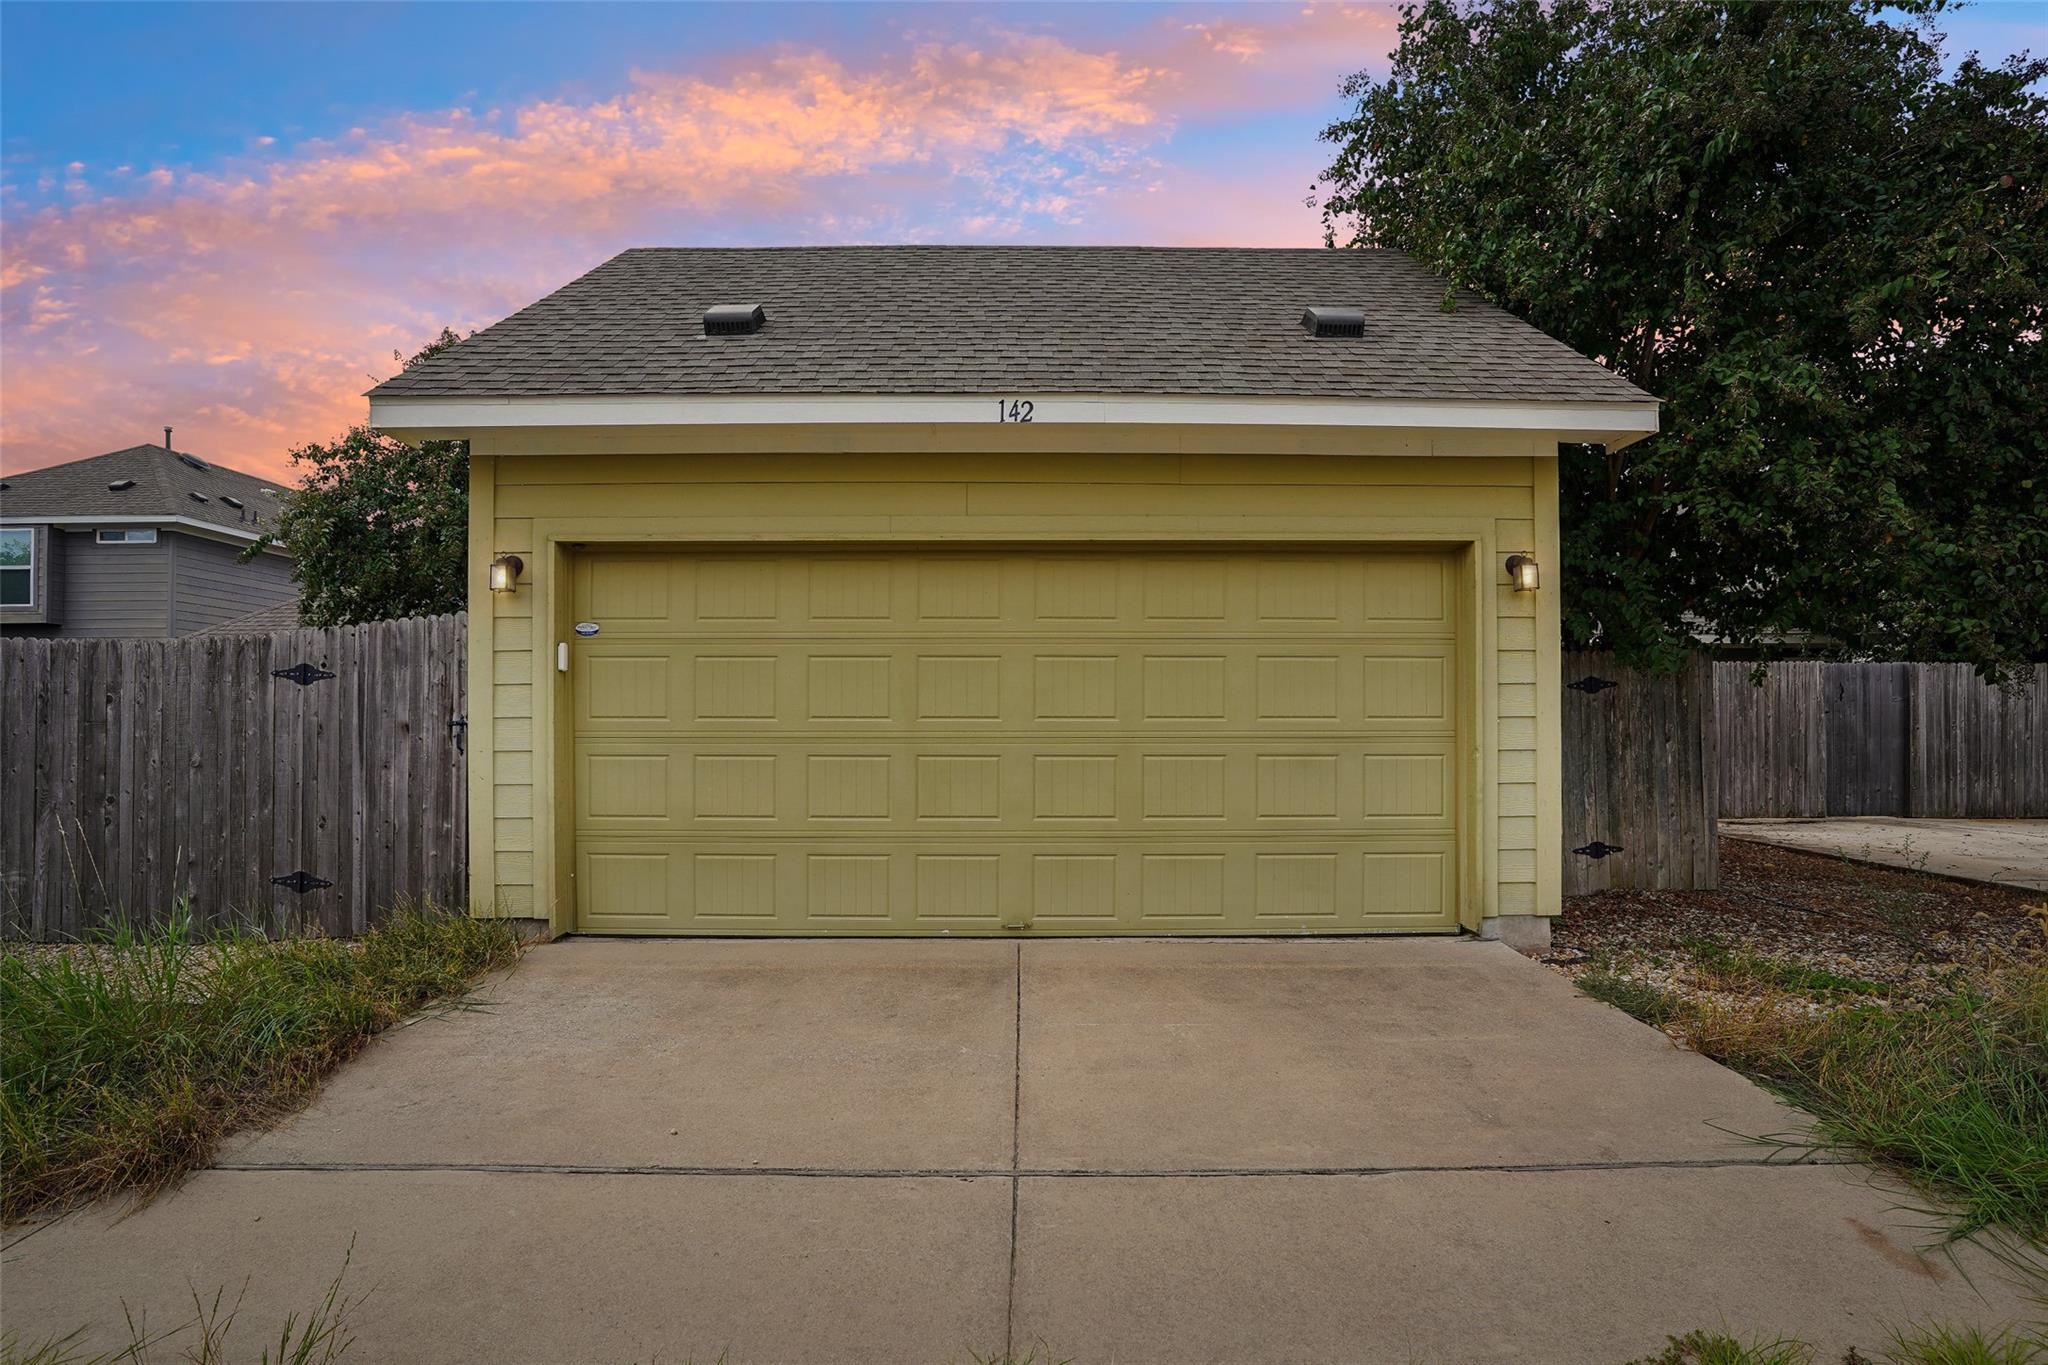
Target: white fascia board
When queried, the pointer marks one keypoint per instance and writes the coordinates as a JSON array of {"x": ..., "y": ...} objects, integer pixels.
[
  {"x": 1573, "y": 421},
  {"x": 199, "y": 528}
]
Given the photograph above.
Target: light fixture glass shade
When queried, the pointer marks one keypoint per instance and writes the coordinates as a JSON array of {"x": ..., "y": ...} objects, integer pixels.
[
  {"x": 1523, "y": 574},
  {"x": 505, "y": 573}
]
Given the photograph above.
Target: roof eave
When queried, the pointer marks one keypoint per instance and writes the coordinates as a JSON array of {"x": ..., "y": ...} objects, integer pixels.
[
  {"x": 192, "y": 526},
  {"x": 1613, "y": 424}
]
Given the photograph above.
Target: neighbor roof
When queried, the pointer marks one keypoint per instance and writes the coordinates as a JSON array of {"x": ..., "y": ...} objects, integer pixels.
[
  {"x": 1001, "y": 319},
  {"x": 163, "y": 488},
  {"x": 262, "y": 621}
]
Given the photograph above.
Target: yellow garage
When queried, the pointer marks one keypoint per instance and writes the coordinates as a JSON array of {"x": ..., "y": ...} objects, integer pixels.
[
  {"x": 934, "y": 741},
  {"x": 1203, "y": 592}
]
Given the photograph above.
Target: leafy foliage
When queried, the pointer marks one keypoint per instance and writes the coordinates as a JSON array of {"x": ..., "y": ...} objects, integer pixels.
[
  {"x": 379, "y": 528},
  {"x": 1826, "y": 257}
]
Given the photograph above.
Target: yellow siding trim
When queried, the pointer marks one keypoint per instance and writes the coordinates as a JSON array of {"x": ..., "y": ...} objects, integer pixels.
[
  {"x": 1041, "y": 500},
  {"x": 992, "y": 440},
  {"x": 1549, "y": 692},
  {"x": 1497, "y": 471},
  {"x": 1517, "y": 699},
  {"x": 1518, "y": 898},
  {"x": 481, "y": 665}
]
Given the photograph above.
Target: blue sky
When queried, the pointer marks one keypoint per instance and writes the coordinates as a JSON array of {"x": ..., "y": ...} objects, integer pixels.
[{"x": 226, "y": 217}]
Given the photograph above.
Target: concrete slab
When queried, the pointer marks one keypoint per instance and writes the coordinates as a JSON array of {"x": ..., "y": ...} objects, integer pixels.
[
  {"x": 2010, "y": 853},
  {"x": 1348, "y": 1053},
  {"x": 554, "y": 1270},
  {"x": 784, "y": 1053},
  {"x": 1567, "y": 1267},
  {"x": 891, "y": 1151}
]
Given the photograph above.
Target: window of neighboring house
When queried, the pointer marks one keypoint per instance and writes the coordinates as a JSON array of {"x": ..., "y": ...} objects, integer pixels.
[
  {"x": 17, "y": 566},
  {"x": 145, "y": 536}
]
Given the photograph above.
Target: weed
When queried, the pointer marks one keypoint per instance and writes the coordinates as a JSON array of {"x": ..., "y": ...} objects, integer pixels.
[
  {"x": 1937, "y": 1345},
  {"x": 1953, "y": 1095},
  {"x": 1718, "y": 1348},
  {"x": 1930, "y": 1345},
  {"x": 1752, "y": 968},
  {"x": 1647, "y": 1003},
  {"x": 125, "y": 1061},
  {"x": 321, "y": 1337}
]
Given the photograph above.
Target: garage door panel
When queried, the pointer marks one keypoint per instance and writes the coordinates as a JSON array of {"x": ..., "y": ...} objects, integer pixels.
[
  {"x": 989, "y": 742},
  {"x": 655, "y": 593},
  {"x": 899, "y": 786},
  {"x": 923, "y": 686},
  {"x": 1065, "y": 885}
]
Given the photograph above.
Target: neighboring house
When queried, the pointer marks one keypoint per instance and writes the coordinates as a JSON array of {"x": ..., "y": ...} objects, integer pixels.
[
  {"x": 1007, "y": 591},
  {"x": 145, "y": 541},
  {"x": 262, "y": 621}
]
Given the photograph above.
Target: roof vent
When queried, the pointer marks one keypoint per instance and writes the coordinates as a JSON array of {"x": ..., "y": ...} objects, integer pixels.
[
  {"x": 235, "y": 503},
  {"x": 120, "y": 485},
  {"x": 1334, "y": 322},
  {"x": 733, "y": 319},
  {"x": 192, "y": 460},
  {"x": 199, "y": 497}
]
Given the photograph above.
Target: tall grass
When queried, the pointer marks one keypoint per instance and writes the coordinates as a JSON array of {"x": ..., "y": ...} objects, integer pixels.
[
  {"x": 125, "y": 1061},
  {"x": 1953, "y": 1095},
  {"x": 1929, "y": 1345}
]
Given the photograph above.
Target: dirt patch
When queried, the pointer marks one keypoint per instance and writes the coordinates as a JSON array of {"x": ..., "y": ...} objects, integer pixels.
[{"x": 1806, "y": 930}]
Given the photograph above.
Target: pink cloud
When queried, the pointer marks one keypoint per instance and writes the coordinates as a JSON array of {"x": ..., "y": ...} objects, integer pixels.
[{"x": 249, "y": 303}]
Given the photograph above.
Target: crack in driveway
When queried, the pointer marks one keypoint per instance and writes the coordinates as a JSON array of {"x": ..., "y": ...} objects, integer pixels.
[{"x": 1021, "y": 1173}]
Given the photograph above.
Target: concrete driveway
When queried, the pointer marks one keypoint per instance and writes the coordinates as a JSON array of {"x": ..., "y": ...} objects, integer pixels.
[
  {"x": 2010, "y": 853},
  {"x": 1407, "y": 1150}
]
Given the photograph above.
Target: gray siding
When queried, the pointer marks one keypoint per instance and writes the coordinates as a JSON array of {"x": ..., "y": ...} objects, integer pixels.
[
  {"x": 179, "y": 586},
  {"x": 209, "y": 587},
  {"x": 110, "y": 590}
]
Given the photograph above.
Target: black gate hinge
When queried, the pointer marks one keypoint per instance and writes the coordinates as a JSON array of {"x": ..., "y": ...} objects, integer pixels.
[
  {"x": 305, "y": 675},
  {"x": 301, "y": 882},
  {"x": 1597, "y": 849},
  {"x": 1590, "y": 684}
]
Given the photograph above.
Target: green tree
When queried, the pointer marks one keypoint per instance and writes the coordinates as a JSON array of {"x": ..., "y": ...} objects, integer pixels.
[
  {"x": 1827, "y": 257},
  {"x": 379, "y": 528}
]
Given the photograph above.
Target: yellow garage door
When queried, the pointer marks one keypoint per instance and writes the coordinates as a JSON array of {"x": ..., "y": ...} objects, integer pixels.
[{"x": 1015, "y": 742}]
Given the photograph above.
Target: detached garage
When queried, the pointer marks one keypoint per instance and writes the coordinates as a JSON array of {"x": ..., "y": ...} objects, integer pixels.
[{"x": 1014, "y": 591}]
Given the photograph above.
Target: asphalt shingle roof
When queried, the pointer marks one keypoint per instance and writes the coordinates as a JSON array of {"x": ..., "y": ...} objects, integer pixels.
[
  {"x": 1010, "y": 320},
  {"x": 262, "y": 621},
  {"x": 163, "y": 487}
]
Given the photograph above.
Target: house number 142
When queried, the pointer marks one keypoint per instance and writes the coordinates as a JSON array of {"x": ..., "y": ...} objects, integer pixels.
[{"x": 1013, "y": 410}]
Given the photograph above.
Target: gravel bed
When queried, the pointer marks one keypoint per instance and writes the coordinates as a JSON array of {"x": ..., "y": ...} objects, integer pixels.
[{"x": 1911, "y": 936}]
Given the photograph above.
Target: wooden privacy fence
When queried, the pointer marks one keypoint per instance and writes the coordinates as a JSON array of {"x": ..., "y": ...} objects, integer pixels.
[
  {"x": 316, "y": 777},
  {"x": 298, "y": 779},
  {"x": 1820, "y": 739},
  {"x": 1640, "y": 780}
]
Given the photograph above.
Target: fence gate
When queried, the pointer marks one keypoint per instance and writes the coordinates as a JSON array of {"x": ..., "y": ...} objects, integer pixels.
[
  {"x": 1867, "y": 711},
  {"x": 1640, "y": 779},
  {"x": 303, "y": 778}
]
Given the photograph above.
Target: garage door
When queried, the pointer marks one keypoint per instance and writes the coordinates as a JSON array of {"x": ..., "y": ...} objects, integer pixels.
[{"x": 1016, "y": 742}]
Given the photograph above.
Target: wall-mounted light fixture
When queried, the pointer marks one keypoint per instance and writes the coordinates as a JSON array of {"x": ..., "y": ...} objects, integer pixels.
[
  {"x": 505, "y": 573},
  {"x": 1522, "y": 573}
]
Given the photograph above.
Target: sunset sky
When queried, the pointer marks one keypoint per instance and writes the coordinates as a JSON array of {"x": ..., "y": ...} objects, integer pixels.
[{"x": 226, "y": 218}]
